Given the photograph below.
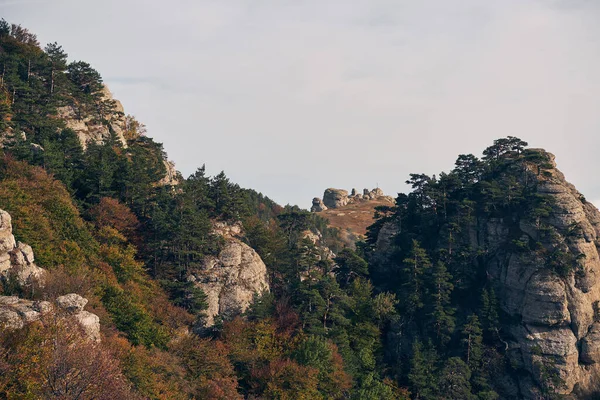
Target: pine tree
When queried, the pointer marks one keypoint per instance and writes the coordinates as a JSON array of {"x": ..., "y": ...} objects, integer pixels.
[
  {"x": 473, "y": 342},
  {"x": 415, "y": 265},
  {"x": 422, "y": 375},
  {"x": 454, "y": 380},
  {"x": 442, "y": 314}
]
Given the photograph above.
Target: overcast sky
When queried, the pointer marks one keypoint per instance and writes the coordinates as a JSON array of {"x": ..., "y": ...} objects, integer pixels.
[{"x": 290, "y": 97}]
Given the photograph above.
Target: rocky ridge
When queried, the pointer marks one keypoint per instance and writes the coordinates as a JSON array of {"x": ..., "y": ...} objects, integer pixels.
[
  {"x": 231, "y": 279},
  {"x": 336, "y": 198}
]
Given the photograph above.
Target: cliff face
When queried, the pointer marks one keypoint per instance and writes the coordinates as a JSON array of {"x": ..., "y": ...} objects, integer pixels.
[
  {"x": 231, "y": 280},
  {"x": 548, "y": 289},
  {"x": 89, "y": 129},
  {"x": 559, "y": 316}
]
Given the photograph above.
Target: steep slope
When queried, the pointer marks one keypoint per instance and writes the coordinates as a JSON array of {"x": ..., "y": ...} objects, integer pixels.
[{"x": 517, "y": 230}]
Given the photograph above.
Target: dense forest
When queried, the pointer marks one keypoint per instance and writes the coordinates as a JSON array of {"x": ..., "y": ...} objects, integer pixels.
[{"x": 418, "y": 319}]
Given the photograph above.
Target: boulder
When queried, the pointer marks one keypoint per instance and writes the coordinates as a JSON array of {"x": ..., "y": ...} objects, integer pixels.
[
  {"x": 72, "y": 303},
  {"x": 318, "y": 205},
  {"x": 15, "y": 313},
  {"x": 334, "y": 198},
  {"x": 16, "y": 259}
]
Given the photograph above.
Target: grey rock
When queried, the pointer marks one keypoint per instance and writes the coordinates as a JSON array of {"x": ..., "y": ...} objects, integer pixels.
[
  {"x": 334, "y": 198},
  {"x": 72, "y": 302},
  {"x": 318, "y": 205},
  {"x": 231, "y": 280}
]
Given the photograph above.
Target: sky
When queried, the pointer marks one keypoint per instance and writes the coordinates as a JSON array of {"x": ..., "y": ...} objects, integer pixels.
[{"x": 290, "y": 97}]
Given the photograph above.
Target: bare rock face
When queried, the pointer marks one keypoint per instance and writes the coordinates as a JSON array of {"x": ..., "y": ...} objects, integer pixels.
[
  {"x": 558, "y": 328},
  {"x": 318, "y": 205},
  {"x": 15, "y": 313},
  {"x": 88, "y": 129},
  {"x": 16, "y": 259},
  {"x": 334, "y": 198},
  {"x": 172, "y": 176},
  {"x": 231, "y": 280}
]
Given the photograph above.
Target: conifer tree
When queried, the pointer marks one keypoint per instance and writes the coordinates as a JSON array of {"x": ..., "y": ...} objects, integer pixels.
[
  {"x": 442, "y": 314},
  {"x": 422, "y": 375},
  {"x": 472, "y": 340},
  {"x": 415, "y": 266}
]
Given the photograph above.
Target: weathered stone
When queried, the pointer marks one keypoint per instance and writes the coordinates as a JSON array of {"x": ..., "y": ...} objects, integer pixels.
[
  {"x": 10, "y": 319},
  {"x": 16, "y": 260},
  {"x": 72, "y": 302},
  {"x": 334, "y": 198},
  {"x": 43, "y": 307},
  {"x": 231, "y": 280},
  {"x": 90, "y": 324},
  {"x": 15, "y": 313},
  {"x": 590, "y": 345},
  {"x": 318, "y": 205}
]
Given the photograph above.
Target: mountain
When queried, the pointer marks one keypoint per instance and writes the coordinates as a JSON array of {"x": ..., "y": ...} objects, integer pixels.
[{"x": 481, "y": 283}]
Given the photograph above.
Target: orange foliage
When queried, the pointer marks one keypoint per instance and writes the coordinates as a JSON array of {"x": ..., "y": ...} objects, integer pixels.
[
  {"x": 110, "y": 212},
  {"x": 55, "y": 360}
]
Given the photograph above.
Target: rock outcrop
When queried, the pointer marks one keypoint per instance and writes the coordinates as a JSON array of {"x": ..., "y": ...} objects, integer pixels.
[
  {"x": 557, "y": 315},
  {"x": 172, "y": 176},
  {"x": 15, "y": 313},
  {"x": 232, "y": 279},
  {"x": 17, "y": 262},
  {"x": 89, "y": 129},
  {"x": 16, "y": 258},
  {"x": 336, "y": 198},
  {"x": 318, "y": 205}
]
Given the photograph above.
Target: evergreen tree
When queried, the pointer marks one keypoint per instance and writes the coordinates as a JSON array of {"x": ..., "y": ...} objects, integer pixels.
[
  {"x": 415, "y": 266},
  {"x": 442, "y": 313},
  {"x": 422, "y": 375},
  {"x": 472, "y": 340}
]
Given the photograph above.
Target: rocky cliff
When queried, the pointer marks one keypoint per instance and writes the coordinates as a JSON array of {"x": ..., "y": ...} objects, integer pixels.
[
  {"x": 89, "y": 129},
  {"x": 232, "y": 279},
  {"x": 545, "y": 270},
  {"x": 558, "y": 314}
]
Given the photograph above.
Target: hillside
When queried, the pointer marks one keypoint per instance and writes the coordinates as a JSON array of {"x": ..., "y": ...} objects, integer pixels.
[
  {"x": 353, "y": 218},
  {"x": 482, "y": 283}
]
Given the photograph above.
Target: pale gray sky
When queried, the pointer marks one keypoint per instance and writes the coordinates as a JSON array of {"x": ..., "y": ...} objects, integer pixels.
[{"x": 290, "y": 96}]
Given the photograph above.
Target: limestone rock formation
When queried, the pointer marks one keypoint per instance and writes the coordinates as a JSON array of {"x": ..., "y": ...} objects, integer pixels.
[
  {"x": 16, "y": 259},
  {"x": 318, "y": 205},
  {"x": 172, "y": 176},
  {"x": 89, "y": 129},
  {"x": 15, "y": 313},
  {"x": 232, "y": 279},
  {"x": 558, "y": 328},
  {"x": 335, "y": 198}
]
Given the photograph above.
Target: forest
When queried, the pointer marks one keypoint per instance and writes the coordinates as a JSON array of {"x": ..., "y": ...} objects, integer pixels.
[{"x": 419, "y": 319}]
